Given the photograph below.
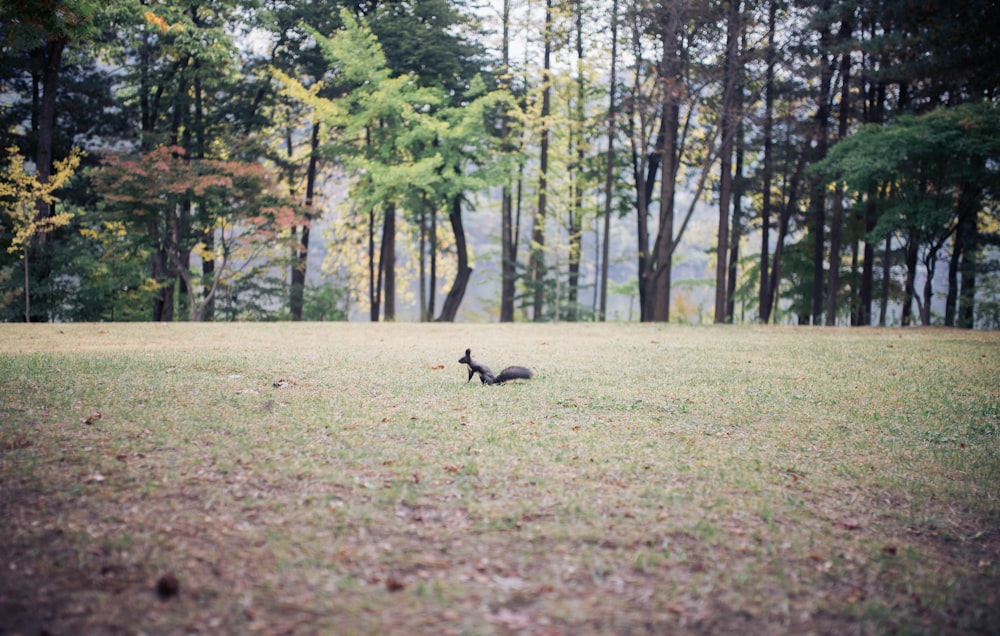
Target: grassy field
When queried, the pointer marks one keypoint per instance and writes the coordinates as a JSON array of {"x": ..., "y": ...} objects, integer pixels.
[{"x": 344, "y": 478}]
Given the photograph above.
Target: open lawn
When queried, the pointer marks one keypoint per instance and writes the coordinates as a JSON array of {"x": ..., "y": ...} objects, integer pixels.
[{"x": 344, "y": 478}]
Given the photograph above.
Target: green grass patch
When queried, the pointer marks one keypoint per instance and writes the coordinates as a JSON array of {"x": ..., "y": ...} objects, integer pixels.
[{"x": 650, "y": 479}]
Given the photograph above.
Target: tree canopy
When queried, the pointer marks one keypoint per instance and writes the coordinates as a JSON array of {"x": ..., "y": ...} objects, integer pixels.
[{"x": 815, "y": 161}]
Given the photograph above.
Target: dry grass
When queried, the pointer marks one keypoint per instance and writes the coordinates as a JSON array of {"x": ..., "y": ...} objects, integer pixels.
[{"x": 344, "y": 478}]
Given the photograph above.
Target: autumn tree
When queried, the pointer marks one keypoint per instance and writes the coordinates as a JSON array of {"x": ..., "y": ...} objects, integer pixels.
[
  {"x": 20, "y": 195},
  {"x": 161, "y": 187}
]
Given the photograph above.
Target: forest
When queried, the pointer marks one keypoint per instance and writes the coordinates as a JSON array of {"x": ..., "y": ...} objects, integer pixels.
[{"x": 174, "y": 159}]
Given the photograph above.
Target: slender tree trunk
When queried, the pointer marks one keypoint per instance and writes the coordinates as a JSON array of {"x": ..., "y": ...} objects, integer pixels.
[
  {"x": 374, "y": 286},
  {"x": 909, "y": 290},
  {"x": 874, "y": 113},
  {"x": 836, "y": 224},
  {"x": 300, "y": 262},
  {"x": 577, "y": 178},
  {"x": 432, "y": 291},
  {"x": 817, "y": 207},
  {"x": 388, "y": 262},
  {"x": 671, "y": 74},
  {"x": 930, "y": 265},
  {"x": 27, "y": 286},
  {"x": 785, "y": 218},
  {"x": 967, "y": 269},
  {"x": 886, "y": 272},
  {"x": 728, "y": 126},
  {"x": 457, "y": 292},
  {"x": 764, "y": 293},
  {"x": 868, "y": 265},
  {"x": 422, "y": 258},
  {"x": 737, "y": 233},
  {"x": 642, "y": 164},
  {"x": 962, "y": 256},
  {"x": 508, "y": 266},
  {"x": 609, "y": 168},
  {"x": 538, "y": 223}
]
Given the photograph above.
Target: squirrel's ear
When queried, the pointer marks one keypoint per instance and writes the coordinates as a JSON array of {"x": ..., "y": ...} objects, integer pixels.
[{"x": 468, "y": 352}]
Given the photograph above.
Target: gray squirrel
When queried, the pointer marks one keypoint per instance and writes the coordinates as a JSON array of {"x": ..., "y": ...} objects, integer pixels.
[{"x": 486, "y": 374}]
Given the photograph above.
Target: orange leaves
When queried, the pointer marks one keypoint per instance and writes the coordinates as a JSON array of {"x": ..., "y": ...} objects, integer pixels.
[{"x": 157, "y": 21}]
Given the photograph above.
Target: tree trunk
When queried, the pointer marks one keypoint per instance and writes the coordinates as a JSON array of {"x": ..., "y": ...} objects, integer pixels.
[
  {"x": 457, "y": 292},
  {"x": 737, "y": 233},
  {"x": 49, "y": 58},
  {"x": 909, "y": 291},
  {"x": 508, "y": 265},
  {"x": 387, "y": 261},
  {"x": 779, "y": 249},
  {"x": 609, "y": 169},
  {"x": 728, "y": 132},
  {"x": 886, "y": 272},
  {"x": 963, "y": 251},
  {"x": 538, "y": 222},
  {"x": 374, "y": 273},
  {"x": 867, "y": 266},
  {"x": 764, "y": 292},
  {"x": 300, "y": 261},
  {"x": 577, "y": 178},
  {"x": 968, "y": 228},
  {"x": 671, "y": 74},
  {"x": 836, "y": 224},
  {"x": 817, "y": 207},
  {"x": 432, "y": 287}
]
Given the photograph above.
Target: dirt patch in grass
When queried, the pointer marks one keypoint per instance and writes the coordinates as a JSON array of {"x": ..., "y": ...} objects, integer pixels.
[{"x": 345, "y": 479}]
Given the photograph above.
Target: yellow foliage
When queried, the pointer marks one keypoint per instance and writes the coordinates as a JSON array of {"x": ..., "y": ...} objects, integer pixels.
[
  {"x": 686, "y": 311},
  {"x": 21, "y": 191},
  {"x": 157, "y": 21}
]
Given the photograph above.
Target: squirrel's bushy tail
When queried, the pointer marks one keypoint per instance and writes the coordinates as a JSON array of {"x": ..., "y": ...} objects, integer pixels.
[{"x": 513, "y": 373}]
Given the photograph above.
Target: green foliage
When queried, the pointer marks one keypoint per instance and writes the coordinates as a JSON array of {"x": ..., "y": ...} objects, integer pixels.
[
  {"x": 919, "y": 165},
  {"x": 325, "y": 302},
  {"x": 111, "y": 266}
]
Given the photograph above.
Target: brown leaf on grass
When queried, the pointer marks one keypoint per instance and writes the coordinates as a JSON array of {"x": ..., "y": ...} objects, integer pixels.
[
  {"x": 393, "y": 584},
  {"x": 436, "y": 367},
  {"x": 90, "y": 419},
  {"x": 850, "y": 525}
]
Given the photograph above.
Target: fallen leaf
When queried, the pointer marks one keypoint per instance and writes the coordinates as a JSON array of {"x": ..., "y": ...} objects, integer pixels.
[
  {"x": 393, "y": 584},
  {"x": 850, "y": 525},
  {"x": 90, "y": 419},
  {"x": 436, "y": 367}
]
